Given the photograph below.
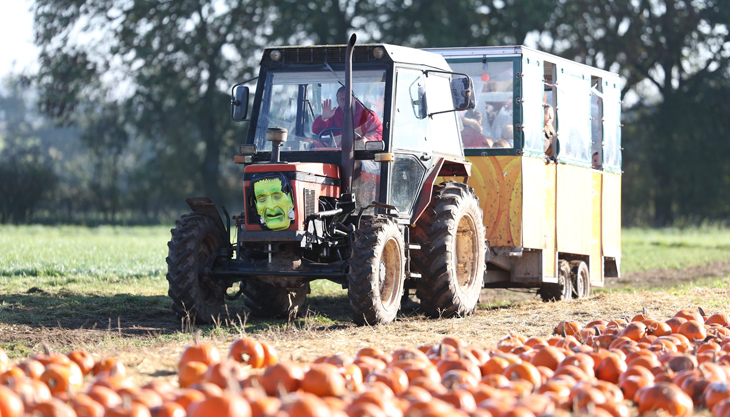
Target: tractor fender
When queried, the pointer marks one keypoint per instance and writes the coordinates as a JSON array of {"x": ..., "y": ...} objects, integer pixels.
[
  {"x": 204, "y": 206},
  {"x": 442, "y": 167}
]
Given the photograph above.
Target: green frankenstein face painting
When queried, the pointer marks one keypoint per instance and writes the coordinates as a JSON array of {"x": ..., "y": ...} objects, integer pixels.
[{"x": 274, "y": 206}]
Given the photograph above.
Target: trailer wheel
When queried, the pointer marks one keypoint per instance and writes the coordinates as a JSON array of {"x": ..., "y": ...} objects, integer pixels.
[
  {"x": 451, "y": 260},
  {"x": 563, "y": 290},
  {"x": 272, "y": 301},
  {"x": 195, "y": 239},
  {"x": 376, "y": 272},
  {"x": 580, "y": 277}
]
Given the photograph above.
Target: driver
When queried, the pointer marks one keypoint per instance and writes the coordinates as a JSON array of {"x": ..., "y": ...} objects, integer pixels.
[{"x": 368, "y": 126}]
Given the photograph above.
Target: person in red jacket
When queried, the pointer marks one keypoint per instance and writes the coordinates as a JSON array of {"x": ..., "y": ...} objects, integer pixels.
[{"x": 368, "y": 126}]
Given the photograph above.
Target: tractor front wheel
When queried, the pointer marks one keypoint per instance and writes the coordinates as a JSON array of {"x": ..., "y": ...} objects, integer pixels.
[
  {"x": 376, "y": 273},
  {"x": 195, "y": 239},
  {"x": 451, "y": 259}
]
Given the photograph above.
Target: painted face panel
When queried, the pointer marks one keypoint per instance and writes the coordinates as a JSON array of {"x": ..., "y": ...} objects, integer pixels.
[{"x": 273, "y": 204}]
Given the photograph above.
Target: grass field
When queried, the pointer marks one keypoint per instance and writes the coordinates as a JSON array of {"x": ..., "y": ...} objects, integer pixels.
[{"x": 113, "y": 278}]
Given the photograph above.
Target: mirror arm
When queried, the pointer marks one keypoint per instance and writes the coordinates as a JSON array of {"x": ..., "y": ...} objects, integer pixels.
[{"x": 236, "y": 85}]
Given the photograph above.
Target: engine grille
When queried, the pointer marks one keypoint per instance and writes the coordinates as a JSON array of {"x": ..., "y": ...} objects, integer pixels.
[{"x": 309, "y": 197}]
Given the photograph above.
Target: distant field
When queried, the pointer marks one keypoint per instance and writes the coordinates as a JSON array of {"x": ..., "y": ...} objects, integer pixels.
[{"x": 647, "y": 249}]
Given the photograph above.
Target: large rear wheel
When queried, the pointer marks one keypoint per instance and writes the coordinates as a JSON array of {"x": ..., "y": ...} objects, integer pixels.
[
  {"x": 376, "y": 272},
  {"x": 563, "y": 289},
  {"x": 451, "y": 259},
  {"x": 272, "y": 301},
  {"x": 195, "y": 239}
]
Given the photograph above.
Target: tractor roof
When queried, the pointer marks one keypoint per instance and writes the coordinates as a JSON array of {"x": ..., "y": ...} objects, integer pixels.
[{"x": 335, "y": 54}]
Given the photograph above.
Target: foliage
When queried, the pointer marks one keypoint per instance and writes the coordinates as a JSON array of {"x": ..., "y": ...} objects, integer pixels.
[{"x": 146, "y": 84}]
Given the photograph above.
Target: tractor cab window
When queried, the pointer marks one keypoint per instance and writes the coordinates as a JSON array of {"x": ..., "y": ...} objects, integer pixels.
[{"x": 306, "y": 104}]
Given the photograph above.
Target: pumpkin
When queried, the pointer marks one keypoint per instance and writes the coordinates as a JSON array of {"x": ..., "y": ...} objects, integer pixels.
[
  {"x": 282, "y": 377},
  {"x": 200, "y": 352},
  {"x": 168, "y": 409},
  {"x": 323, "y": 379},
  {"x": 247, "y": 351},
  {"x": 688, "y": 314},
  {"x": 10, "y": 403},
  {"x": 61, "y": 378},
  {"x": 191, "y": 372},
  {"x": 83, "y": 359},
  {"x": 51, "y": 408},
  {"x": 549, "y": 357},
  {"x": 85, "y": 406},
  {"x": 664, "y": 396},
  {"x": 105, "y": 396},
  {"x": 227, "y": 405},
  {"x": 226, "y": 374}
]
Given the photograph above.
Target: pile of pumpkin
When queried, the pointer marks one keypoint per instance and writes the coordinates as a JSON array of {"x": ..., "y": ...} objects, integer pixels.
[{"x": 606, "y": 368}]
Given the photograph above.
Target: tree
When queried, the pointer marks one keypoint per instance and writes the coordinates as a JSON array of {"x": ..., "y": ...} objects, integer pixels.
[
  {"x": 172, "y": 61},
  {"x": 26, "y": 174},
  {"x": 674, "y": 55}
]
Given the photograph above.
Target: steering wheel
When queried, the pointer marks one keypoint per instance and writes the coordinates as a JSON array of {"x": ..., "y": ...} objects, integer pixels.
[{"x": 330, "y": 131}]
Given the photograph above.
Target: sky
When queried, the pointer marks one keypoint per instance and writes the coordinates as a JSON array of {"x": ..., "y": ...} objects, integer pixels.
[{"x": 17, "y": 52}]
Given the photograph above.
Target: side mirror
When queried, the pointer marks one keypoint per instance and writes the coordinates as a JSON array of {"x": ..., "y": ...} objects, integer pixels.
[
  {"x": 239, "y": 103},
  {"x": 462, "y": 92}
]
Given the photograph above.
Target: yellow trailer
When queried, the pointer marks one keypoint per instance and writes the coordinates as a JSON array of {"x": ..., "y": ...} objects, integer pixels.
[{"x": 552, "y": 208}]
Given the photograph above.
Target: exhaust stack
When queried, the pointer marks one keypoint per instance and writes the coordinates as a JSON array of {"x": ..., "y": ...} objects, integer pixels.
[{"x": 348, "y": 129}]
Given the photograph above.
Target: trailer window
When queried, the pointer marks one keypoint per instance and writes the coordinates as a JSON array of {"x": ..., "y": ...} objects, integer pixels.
[
  {"x": 574, "y": 122},
  {"x": 611, "y": 125},
  {"x": 494, "y": 114}
]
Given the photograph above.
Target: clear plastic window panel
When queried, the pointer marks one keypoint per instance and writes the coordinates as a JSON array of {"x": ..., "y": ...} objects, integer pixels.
[
  {"x": 574, "y": 123},
  {"x": 366, "y": 183},
  {"x": 532, "y": 102},
  {"x": 294, "y": 100},
  {"x": 406, "y": 176},
  {"x": 596, "y": 129},
  {"x": 611, "y": 126},
  {"x": 442, "y": 128},
  {"x": 491, "y": 123},
  {"x": 410, "y": 123}
]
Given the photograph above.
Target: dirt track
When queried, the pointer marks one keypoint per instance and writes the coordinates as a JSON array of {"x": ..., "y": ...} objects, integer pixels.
[{"x": 135, "y": 337}]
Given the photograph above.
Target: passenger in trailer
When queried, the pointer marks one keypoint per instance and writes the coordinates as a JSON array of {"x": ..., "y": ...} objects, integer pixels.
[{"x": 549, "y": 131}]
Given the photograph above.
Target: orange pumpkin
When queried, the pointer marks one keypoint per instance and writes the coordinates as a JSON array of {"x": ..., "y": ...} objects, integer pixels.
[
  {"x": 168, "y": 409},
  {"x": 610, "y": 369},
  {"x": 247, "y": 351},
  {"x": 226, "y": 373},
  {"x": 83, "y": 359},
  {"x": 62, "y": 378},
  {"x": 32, "y": 368},
  {"x": 693, "y": 330},
  {"x": 323, "y": 379},
  {"x": 664, "y": 396},
  {"x": 228, "y": 405},
  {"x": 191, "y": 372},
  {"x": 549, "y": 357},
  {"x": 690, "y": 315},
  {"x": 200, "y": 352},
  {"x": 284, "y": 376},
  {"x": 85, "y": 406}
]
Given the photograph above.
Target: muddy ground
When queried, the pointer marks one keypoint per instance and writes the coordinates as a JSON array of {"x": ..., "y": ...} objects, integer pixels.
[{"x": 149, "y": 342}]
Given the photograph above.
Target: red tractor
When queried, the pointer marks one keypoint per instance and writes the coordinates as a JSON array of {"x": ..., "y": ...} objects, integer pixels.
[{"x": 355, "y": 200}]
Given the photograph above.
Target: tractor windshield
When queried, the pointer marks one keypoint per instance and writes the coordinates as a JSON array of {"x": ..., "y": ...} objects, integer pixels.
[{"x": 308, "y": 104}]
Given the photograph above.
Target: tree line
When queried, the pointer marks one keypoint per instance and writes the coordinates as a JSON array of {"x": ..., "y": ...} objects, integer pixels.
[{"x": 128, "y": 113}]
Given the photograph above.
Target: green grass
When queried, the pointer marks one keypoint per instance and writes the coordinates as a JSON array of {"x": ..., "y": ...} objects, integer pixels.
[{"x": 647, "y": 249}]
